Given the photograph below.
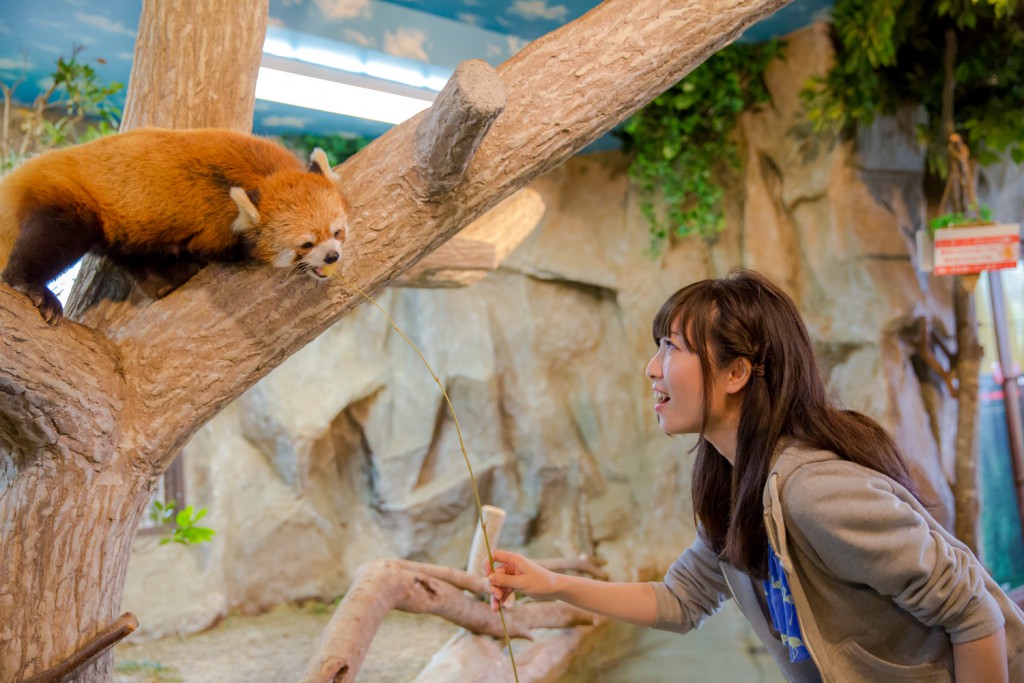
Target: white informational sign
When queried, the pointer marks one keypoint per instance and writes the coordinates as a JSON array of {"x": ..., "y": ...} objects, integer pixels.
[{"x": 960, "y": 251}]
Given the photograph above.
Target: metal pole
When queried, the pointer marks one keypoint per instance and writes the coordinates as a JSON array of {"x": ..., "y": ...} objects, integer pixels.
[{"x": 1011, "y": 393}]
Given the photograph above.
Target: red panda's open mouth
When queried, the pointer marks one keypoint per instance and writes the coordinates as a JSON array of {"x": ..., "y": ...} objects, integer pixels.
[{"x": 318, "y": 271}]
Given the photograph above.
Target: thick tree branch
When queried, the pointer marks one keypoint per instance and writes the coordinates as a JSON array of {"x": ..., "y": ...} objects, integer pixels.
[
  {"x": 386, "y": 584},
  {"x": 623, "y": 53},
  {"x": 50, "y": 380}
]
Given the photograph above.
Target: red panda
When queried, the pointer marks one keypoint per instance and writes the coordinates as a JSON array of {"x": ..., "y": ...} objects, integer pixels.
[{"x": 208, "y": 193}]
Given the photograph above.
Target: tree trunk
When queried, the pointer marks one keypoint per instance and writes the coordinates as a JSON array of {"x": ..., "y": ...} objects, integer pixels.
[
  {"x": 90, "y": 417},
  {"x": 76, "y": 463},
  {"x": 968, "y": 367}
]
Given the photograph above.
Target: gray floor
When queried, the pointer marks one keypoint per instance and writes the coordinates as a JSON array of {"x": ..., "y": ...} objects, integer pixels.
[
  {"x": 723, "y": 650},
  {"x": 275, "y": 647}
]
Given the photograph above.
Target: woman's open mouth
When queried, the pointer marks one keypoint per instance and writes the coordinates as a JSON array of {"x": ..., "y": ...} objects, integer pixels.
[{"x": 660, "y": 399}]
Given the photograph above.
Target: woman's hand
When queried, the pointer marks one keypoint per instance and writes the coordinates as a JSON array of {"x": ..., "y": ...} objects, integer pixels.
[{"x": 513, "y": 572}]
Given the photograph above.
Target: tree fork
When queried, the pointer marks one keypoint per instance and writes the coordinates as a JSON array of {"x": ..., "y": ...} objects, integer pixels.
[{"x": 68, "y": 513}]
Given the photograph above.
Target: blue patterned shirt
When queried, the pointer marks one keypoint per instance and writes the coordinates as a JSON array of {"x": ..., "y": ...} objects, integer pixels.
[{"x": 782, "y": 609}]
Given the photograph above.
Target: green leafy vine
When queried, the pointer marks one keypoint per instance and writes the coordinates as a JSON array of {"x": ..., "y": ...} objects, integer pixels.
[
  {"x": 682, "y": 140},
  {"x": 891, "y": 53}
]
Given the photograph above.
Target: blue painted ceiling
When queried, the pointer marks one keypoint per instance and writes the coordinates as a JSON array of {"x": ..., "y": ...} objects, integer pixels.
[{"x": 429, "y": 34}]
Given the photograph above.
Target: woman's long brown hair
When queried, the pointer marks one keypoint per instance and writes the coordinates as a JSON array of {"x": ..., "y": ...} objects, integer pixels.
[{"x": 744, "y": 315}]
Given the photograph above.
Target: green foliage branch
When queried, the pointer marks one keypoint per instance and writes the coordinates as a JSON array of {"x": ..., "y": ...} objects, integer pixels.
[
  {"x": 185, "y": 528},
  {"x": 75, "y": 107},
  {"x": 681, "y": 142},
  {"x": 890, "y": 53}
]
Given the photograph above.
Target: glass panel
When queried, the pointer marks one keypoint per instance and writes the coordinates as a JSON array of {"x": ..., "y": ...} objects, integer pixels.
[{"x": 1002, "y": 543}]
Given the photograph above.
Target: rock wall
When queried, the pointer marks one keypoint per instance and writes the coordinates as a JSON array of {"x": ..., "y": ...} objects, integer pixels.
[{"x": 347, "y": 452}]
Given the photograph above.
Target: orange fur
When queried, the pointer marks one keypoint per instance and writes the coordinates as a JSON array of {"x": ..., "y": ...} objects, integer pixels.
[{"x": 154, "y": 191}]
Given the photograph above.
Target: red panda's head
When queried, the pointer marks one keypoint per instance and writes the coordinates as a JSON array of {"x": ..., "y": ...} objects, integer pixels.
[{"x": 295, "y": 219}]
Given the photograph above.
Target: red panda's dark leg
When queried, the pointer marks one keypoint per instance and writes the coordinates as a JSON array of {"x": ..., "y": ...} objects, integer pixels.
[
  {"x": 50, "y": 240},
  {"x": 157, "y": 275}
]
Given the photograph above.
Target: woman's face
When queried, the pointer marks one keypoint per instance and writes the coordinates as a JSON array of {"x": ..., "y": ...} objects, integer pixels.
[{"x": 678, "y": 387}]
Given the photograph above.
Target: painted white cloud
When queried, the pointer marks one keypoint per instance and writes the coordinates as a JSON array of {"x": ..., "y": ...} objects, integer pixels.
[
  {"x": 406, "y": 42},
  {"x": 103, "y": 24},
  {"x": 472, "y": 3},
  {"x": 15, "y": 64},
  {"x": 125, "y": 56},
  {"x": 515, "y": 44},
  {"x": 50, "y": 49},
  {"x": 471, "y": 19},
  {"x": 274, "y": 21},
  {"x": 538, "y": 9},
  {"x": 356, "y": 38},
  {"x": 344, "y": 9},
  {"x": 48, "y": 23},
  {"x": 286, "y": 121}
]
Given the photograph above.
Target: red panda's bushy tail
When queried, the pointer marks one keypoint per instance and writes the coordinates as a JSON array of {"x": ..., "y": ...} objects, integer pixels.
[{"x": 8, "y": 225}]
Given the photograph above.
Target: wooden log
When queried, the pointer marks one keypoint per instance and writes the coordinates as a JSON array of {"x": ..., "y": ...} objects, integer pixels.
[
  {"x": 386, "y": 584},
  {"x": 494, "y": 520},
  {"x": 448, "y": 136}
]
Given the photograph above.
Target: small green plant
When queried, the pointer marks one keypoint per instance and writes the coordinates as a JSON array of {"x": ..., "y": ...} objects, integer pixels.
[
  {"x": 976, "y": 214},
  {"x": 151, "y": 672},
  {"x": 185, "y": 530},
  {"x": 74, "y": 98},
  {"x": 682, "y": 140}
]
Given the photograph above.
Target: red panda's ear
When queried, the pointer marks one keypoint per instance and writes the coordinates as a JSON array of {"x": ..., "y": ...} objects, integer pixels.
[
  {"x": 318, "y": 164},
  {"x": 248, "y": 216}
]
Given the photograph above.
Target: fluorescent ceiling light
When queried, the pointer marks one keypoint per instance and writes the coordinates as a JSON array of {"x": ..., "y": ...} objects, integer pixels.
[
  {"x": 346, "y": 60},
  {"x": 299, "y": 90}
]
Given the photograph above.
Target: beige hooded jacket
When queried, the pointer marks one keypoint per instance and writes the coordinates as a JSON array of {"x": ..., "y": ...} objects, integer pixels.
[{"x": 881, "y": 590}]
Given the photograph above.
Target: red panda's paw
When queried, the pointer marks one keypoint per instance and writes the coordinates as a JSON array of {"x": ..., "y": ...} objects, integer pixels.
[{"x": 43, "y": 299}]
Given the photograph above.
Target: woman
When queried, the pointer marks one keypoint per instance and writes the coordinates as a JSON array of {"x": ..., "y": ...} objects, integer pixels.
[{"x": 806, "y": 514}]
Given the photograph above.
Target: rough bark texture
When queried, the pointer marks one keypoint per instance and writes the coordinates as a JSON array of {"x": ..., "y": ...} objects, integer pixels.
[
  {"x": 384, "y": 585},
  {"x": 205, "y": 65},
  {"x": 451, "y": 130},
  {"x": 79, "y": 447},
  {"x": 90, "y": 418},
  {"x": 968, "y": 366}
]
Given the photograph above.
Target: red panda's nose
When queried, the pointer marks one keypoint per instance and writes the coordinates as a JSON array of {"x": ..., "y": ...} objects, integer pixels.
[{"x": 331, "y": 257}]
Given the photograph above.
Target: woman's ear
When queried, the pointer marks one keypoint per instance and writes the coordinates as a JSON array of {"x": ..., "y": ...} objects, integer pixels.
[{"x": 740, "y": 372}]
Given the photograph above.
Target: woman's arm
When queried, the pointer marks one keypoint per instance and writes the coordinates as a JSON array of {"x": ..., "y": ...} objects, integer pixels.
[
  {"x": 634, "y": 603},
  {"x": 982, "y": 660}
]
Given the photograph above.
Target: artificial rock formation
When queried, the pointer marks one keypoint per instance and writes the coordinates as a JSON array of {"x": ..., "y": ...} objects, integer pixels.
[
  {"x": 84, "y": 440},
  {"x": 346, "y": 452}
]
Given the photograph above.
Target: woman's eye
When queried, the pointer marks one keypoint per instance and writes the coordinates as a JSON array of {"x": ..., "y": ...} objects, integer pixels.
[
  {"x": 307, "y": 245},
  {"x": 666, "y": 343}
]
